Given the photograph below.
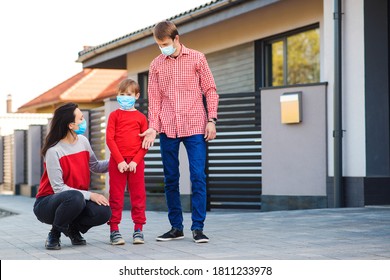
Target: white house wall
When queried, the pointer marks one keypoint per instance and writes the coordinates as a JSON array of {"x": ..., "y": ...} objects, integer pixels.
[
  {"x": 268, "y": 21},
  {"x": 353, "y": 94}
]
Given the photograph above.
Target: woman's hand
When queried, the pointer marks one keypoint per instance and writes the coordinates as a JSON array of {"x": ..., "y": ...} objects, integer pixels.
[{"x": 99, "y": 199}]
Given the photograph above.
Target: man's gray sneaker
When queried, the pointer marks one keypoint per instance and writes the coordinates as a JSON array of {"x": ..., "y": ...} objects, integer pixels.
[
  {"x": 138, "y": 237},
  {"x": 199, "y": 237},
  {"x": 173, "y": 234},
  {"x": 116, "y": 238}
]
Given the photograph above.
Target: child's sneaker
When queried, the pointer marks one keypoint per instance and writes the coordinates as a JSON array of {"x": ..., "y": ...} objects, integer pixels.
[
  {"x": 116, "y": 238},
  {"x": 138, "y": 237}
]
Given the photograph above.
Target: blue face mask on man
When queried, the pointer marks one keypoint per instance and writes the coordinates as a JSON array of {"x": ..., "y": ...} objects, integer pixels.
[
  {"x": 82, "y": 127},
  {"x": 126, "y": 102},
  {"x": 168, "y": 50}
]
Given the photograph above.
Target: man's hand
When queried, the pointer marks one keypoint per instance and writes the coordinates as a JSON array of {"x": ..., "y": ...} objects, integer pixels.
[
  {"x": 149, "y": 137},
  {"x": 210, "y": 131}
]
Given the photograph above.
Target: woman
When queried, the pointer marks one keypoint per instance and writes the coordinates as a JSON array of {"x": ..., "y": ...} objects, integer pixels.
[{"x": 63, "y": 199}]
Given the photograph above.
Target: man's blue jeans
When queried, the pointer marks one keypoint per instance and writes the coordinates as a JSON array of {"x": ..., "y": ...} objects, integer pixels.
[{"x": 196, "y": 151}]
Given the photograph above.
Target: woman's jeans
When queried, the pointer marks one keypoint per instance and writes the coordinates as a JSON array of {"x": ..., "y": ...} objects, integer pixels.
[
  {"x": 70, "y": 208},
  {"x": 196, "y": 151}
]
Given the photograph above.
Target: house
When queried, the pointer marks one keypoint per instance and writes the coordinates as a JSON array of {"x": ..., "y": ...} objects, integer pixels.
[
  {"x": 13, "y": 163},
  {"x": 304, "y": 108},
  {"x": 87, "y": 88},
  {"x": 334, "y": 55}
]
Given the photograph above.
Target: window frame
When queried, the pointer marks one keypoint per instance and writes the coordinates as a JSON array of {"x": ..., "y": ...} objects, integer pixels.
[
  {"x": 262, "y": 67},
  {"x": 143, "y": 78}
]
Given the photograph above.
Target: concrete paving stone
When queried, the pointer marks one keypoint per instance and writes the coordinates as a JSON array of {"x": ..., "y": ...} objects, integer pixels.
[{"x": 316, "y": 234}]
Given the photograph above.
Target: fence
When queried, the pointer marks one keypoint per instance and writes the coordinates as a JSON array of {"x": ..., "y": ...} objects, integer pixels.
[
  {"x": 7, "y": 163},
  {"x": 234, "y": 157},
  {"x": 97, "y": 138}
]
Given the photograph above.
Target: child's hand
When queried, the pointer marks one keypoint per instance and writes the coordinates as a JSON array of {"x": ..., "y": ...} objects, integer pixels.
[
  {"x": 132, "y": 166},
  {"x": 122, "y": 167}
]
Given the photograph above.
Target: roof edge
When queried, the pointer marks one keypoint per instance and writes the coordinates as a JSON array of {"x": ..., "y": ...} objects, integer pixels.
[{"x": 179, "y": 19}]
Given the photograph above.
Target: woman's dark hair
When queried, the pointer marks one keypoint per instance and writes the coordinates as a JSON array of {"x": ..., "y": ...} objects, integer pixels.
[{"x": 59, "y": 125}]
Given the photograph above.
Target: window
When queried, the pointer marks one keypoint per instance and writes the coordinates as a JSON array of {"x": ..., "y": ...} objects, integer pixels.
[
  {"x": 292, "y": 58},
  {"x": 143, "y": 84}
]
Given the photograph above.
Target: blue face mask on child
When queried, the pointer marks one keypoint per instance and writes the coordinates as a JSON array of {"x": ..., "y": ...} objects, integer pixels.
[
  {"x": 126, "y": 102},
  {"x": 82, "y": 127}
]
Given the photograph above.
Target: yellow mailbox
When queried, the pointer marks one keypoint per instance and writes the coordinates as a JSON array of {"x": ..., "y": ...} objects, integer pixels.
[{"x": 291, "y": 107}]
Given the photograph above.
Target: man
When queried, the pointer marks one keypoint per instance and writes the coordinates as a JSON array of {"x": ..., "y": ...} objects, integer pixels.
[{"x": 178, "y": 80}]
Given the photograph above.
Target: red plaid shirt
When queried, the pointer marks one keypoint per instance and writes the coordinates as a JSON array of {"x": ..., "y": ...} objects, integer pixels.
[{"x": 176, "y": 87}]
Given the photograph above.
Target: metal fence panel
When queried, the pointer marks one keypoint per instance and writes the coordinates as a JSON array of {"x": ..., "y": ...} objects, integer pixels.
[
  {"x": 1, "y": 160},
  {"x": 154, "y": 173},
  {"x": 8, "y": 182},
  {"x": 97, "y": 136},
  {"x": 234, "y": 157}
]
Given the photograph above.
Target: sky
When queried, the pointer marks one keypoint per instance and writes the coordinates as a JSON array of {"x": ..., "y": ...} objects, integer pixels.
[{"x": 40, "y": 39}]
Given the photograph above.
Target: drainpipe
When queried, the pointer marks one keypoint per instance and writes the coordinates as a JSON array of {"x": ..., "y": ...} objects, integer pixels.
[{"x": 338, "y": 131}]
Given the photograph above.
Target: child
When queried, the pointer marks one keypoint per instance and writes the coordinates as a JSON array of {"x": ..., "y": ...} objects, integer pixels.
[{"x": 126, "y": 161}]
